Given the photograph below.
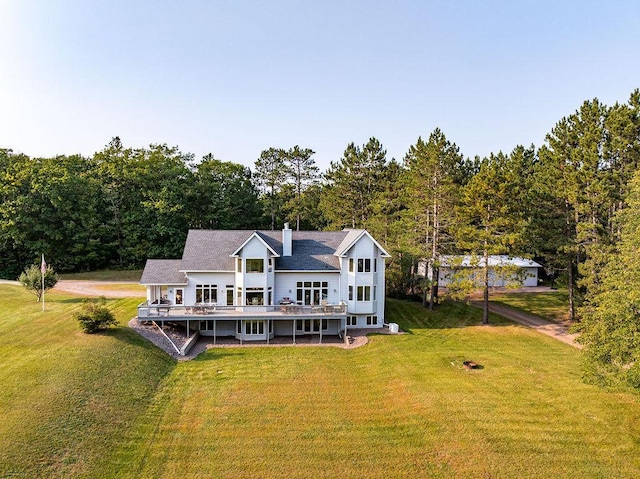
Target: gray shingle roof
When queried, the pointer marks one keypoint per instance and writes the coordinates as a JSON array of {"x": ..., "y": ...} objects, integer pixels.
[
  {"x": 163, "y": 271},
  {"x": 211, "y": 250},
  {"x": 312, "y": 251}
]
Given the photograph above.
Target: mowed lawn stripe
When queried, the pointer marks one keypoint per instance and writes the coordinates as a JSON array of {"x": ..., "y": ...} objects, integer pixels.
[
  {"x": 401, "y": 406},
  {"x": 66, "y": 397},
  {"x": 111, "y": 405}
]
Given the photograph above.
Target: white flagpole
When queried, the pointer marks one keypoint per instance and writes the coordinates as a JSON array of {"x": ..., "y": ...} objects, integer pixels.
[{"x": 43, "y": 270}]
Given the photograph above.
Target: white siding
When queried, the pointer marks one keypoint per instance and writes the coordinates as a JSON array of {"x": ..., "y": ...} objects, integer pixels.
[
  {"x": 255, "y": 249},
  {"x": 531, "y": 278},
  {"x": 364, "y": 248}
]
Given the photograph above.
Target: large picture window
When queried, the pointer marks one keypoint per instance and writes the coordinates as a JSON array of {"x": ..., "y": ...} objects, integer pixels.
[
  {"x": 255, "y": 296},
  {"x": 255, "y": 265},
  {"x": 312, "y": 292},
  {"x": 206, "y": 293}
]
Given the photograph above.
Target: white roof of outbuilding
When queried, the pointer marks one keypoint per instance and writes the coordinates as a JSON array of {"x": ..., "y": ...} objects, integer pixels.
[{"x": 467, "y": 261}]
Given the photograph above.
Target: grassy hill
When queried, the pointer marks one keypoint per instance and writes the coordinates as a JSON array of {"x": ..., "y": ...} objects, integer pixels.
[
  {"x": 67, "y": 398},
  {"x": 401, "y": 406}
]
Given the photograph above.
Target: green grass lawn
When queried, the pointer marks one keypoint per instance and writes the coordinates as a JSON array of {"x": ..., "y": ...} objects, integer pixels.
[
  {"x": 402, "y": 406},
  {"x": 551, "y": 305},
  {"x": 66, "y": 398}
]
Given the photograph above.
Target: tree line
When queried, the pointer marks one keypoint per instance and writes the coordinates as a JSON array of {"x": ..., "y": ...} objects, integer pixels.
[{"x": 569, "y": 203}]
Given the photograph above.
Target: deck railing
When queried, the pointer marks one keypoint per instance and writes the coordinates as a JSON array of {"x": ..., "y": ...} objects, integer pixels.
[{"x": 146, "y": 310}]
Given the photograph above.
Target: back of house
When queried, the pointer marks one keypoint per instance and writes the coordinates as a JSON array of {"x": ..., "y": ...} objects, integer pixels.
[{"x": 256, "y": 284}]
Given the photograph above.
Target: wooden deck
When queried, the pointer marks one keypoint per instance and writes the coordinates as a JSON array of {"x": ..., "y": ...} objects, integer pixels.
[{"x": 291, "y": 311}]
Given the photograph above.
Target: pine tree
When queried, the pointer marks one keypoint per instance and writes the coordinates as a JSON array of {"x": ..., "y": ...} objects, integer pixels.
[
  {"x": 488, "y": 220},
  {"x": 610, "y": 324},
  {"x": 303, "y": 173},
  {"x": 271, "y": 173},
  {"x": 431, "y": 187},
  {"x": 352, "y": 183}
]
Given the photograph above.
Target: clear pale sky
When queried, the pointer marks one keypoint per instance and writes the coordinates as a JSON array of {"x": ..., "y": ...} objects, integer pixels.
[{"x": 236, "y": 77}]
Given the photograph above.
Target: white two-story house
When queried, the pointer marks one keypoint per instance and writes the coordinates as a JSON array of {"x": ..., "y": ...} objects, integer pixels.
[{"x": 254, "y": 285}]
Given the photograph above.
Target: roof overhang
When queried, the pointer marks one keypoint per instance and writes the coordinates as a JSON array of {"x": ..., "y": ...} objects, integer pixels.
[{"x": 345, "y": 249}]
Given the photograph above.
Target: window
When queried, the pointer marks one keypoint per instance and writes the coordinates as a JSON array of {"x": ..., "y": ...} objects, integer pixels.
[
  {"x": 350, "y": 265},
  {"x": 364, "y": 293},
  {"x": 312, "y": 292},
  {"x": 352, "y": 320},
  {"x": 270, "y": 265},
  {"x": 229, "y": 294},
  {"x": 255, "y": 266},
  {"x": 311, "y": 325},
  {"x": 206, "y": 293},
  {"x": 375, "y": 265},
  {"x": 350, "y": 293},
  {"x": 255, "y": 296},
  {"x": 364, "y": 265},
  {"x": 253, "y": 327},
  {"x": 375, "y": 292},
  {"x": 372, "y": 320},
  {"x": 207, "y": 325},
  {"x": 239, "y": 265}
]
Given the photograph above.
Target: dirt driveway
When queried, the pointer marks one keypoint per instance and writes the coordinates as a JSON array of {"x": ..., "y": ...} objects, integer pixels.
[
  {"x": 108, "y": 289},
  {"x": 557, "y": 331}
]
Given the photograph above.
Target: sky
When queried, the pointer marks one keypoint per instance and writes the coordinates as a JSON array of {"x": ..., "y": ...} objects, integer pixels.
[{"x": 234, "y": 78}]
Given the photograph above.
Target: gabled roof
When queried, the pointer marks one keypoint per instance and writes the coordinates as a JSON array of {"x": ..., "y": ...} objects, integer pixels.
[
  {"x": 352, "y": 238},
  {"x": 163, "y": 271},
  {"x": 261, "y": 238}
]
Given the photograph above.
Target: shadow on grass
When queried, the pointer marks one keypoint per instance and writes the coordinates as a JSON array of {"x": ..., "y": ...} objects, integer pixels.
[
  {"x": 67, "y": 300},
  {"x": 216, "y": 353}
]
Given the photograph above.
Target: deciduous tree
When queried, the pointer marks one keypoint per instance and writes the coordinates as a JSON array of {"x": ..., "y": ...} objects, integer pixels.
[{"x": 31, "y": 279}]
